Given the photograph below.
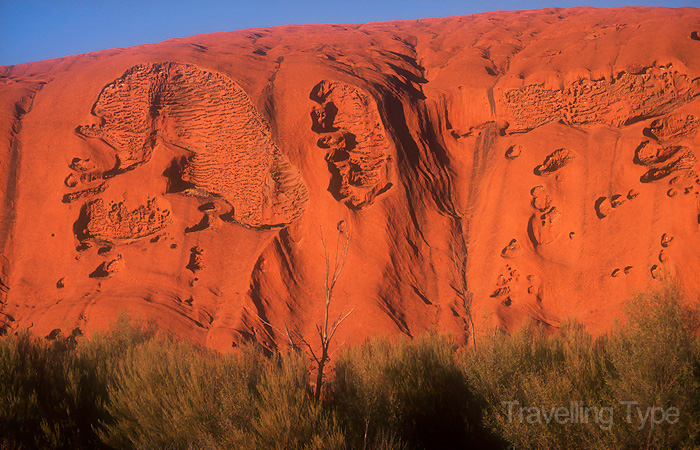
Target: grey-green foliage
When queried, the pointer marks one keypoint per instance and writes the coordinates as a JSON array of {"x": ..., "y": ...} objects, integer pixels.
[
  {"x": 50, "y": 395},
  {"x": 389, "y": 392},
  {"x": 135, "y": 388},
  {"x": 167, "y": 393},
  {"x": 534, "y": 368},
  {"x": 287, "y": 417},
  {"x": 655, "y": 360},
  {"x": 170, "y": 394},
  {"x": 652, "y": 359}
]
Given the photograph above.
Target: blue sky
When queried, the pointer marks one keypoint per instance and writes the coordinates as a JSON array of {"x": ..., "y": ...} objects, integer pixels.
[{"x": 32, "y": 30}]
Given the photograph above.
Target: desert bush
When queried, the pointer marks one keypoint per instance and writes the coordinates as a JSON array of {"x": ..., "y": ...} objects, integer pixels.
[
  {"x": 391, "y": 392},
  {"x": 136, "y": 388},
  {"x": 655, "y": 361},
  {"x": 164, "y": 393},
  {"x": 287, "y": 415},
  {"x": 50, "y": 395},
  {"x": 536, "y": 368},
  {"x": 652, "y": 359},
  {"x": 170, "y": 394}
]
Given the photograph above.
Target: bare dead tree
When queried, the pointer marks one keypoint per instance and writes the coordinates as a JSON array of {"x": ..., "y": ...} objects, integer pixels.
[
  {"x": 327, "y": 332},
  {"x": 327, "y": 329}
]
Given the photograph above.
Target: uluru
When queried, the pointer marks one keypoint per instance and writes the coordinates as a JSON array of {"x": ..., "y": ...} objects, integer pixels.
[{"x": 543, "y": 164}]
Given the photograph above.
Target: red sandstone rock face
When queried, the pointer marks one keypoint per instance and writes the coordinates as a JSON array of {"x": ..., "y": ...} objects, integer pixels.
[{"x": 191, "y": 181}]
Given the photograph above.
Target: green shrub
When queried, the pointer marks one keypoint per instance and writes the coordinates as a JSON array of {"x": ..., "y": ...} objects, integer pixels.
[
  {"x": 405, "y": 391},
  {"x": 134, "y": 388},
  {"x": 536, "y": 369},
  {"x": 654, "y": 359},
  {"x": 287, "y": 416},
  {"x": 170, "y": 394},
  {"x": 50, "y": 395},
  {"x": 164, "y": 393}
]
